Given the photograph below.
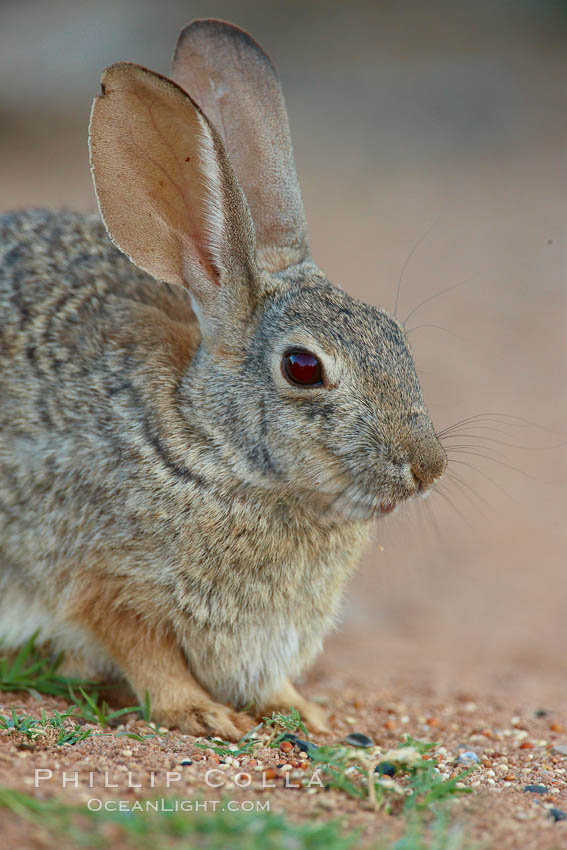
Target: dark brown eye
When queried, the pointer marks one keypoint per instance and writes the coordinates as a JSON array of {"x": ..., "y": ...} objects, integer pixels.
[{"x": 303, "y": 368}]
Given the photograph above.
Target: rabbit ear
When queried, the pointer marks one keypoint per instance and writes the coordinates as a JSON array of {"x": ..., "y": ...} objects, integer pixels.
[
  {"x": 165, "y": 186},
  {"x": 237, "y": 87}
]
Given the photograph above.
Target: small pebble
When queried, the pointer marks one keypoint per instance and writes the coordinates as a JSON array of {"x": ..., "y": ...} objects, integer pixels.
[
  {"x": 560, "y": 750},
  {"x": 186, "y": 762},
  {"x": 557, "y": 814},
  {"x": 357, "y": 739},
  {"x": 467, "y": 758},
  {"x": 541, "y": 712},
  {"x": 385, "y": 769},
  {"x": 536, "y": 789}
]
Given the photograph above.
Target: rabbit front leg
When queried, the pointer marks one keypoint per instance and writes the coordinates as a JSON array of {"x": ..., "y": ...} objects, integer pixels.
[
  {"x": 158, "y": 665},
  {"x": 152, "y": 660},
  {"x": 287, "y": 696}
]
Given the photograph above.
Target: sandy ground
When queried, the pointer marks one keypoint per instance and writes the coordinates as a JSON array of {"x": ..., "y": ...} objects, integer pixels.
[
  {"x": 515, "y": 752},
  {"x": 448, "y": 129}
]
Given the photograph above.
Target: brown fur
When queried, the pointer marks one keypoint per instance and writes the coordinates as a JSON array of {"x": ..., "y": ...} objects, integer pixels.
[
  {"x": 149, "y": 656},
  {"x": 171, "y": 508}
]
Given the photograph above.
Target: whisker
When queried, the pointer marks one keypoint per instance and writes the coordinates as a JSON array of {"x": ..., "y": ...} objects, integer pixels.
[
  {"x": 341, "y": 494},
  {"x": 468, "y": 492},
  {"x": 498, "y": 461},
  {"x": 484, "y": 475},
  {"x": 408, "y": 258},
  {"x": 444, "y": 496},
  {"x": 479, "y": 446},
  {"x": 433, "y": 523},
  {"x": 457, "y": 434},
  {"x": 419, "y": 517},
  {"x": 438, "y": 295},
  {"x": 439, "y": 328},
  {"x": 498, "y": 418},
  {"x": 474, "y": 428}
]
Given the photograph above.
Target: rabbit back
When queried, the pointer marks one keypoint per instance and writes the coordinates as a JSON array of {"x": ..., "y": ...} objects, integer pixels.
[{"x": 80, "y": 326}]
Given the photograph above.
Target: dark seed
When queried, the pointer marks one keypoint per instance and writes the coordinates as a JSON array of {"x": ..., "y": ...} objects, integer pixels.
[
  {"x": 305, "y": 746},
  {"x": 541, "y": 712},
  {"x": 557, "y": 814},
  {"x": 290, "y": 737},
  {"x": 385, "y": 769},
  {"x": 185, "y": 761},
  {"x": 357, "y": 739},
  {"x": 536, "y": 789}
]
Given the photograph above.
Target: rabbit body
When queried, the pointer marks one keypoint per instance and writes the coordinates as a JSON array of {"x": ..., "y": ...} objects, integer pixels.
[
  {"x": 113, "y": 490},
  {"x": 198, "y": 430}
]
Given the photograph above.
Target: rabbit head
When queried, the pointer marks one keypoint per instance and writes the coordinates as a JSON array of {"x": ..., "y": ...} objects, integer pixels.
[{"x": 306, "y": 390}]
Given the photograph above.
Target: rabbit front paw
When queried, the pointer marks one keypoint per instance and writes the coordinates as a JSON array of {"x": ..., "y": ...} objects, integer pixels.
[
  {"x": 314, "y": 717},
  {"x": 205, "y": 718}
]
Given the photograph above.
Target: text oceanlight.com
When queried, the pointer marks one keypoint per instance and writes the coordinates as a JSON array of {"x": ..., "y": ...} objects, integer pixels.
[{"x": 163, "y": 805}]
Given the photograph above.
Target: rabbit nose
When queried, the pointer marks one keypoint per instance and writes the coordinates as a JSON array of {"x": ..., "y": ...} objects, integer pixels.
[{"x": 428, "y": 464}]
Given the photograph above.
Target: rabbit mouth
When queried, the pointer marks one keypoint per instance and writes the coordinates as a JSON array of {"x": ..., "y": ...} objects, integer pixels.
[
  {"x": 354, "y": 500},
  {"x": 362, "y": 506},
  {"x": 370, "y": 508}
]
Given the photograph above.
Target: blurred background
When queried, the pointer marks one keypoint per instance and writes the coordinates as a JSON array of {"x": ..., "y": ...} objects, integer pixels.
[{"x": 430, "y": 142}]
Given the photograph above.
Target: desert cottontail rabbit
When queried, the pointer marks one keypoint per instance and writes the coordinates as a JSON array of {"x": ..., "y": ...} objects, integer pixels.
[{"x": 197, "y": 429}]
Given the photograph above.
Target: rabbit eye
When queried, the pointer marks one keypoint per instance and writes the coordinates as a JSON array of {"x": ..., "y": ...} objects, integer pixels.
[{"x": 303, "y": 368}]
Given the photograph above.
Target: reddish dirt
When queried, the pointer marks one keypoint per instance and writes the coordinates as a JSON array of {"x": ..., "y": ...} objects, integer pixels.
[
  {"x": 514, "y": 751},
  {"x": 403, "y": 131}
]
